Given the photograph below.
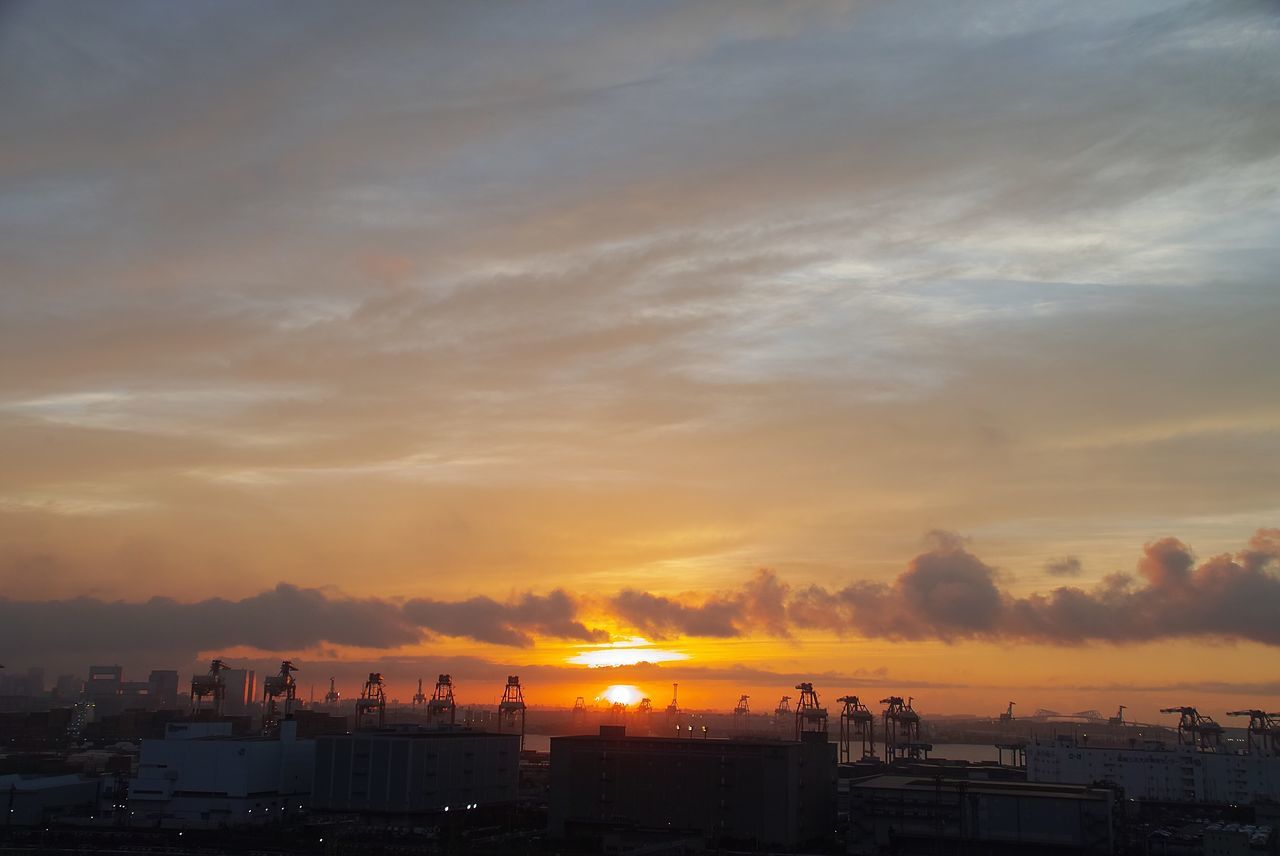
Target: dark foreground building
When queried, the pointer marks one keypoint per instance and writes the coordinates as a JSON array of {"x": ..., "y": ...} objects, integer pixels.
[
  {"x": 412, "y": 772},
  {"x": 923, "y": 815},
  {"x": 764, "y": 793}
]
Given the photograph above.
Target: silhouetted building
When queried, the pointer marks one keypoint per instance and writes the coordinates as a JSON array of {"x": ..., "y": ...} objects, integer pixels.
[
  {"x": 36, "y": 800},
  {"x": 242, "y": 690},
  {"x": 202, "y": 776},
  {"x": 22, "y": 691},
  {"x": 413, "y": 771},
  {"x": 104, "y": 683},
  {"x": 68, "y": 688},
  {"x": 917, "y": 815},
  {"x": 313, "y": 723},
  {"x": 1178, "y": 773},
  {"x": 35, "y": 730},
  {"x": 135, "y": 694},
  {"x": 767, "y": 793},
  {"x": 131, "y": 725},
  {"x": 163, "y": 688}
]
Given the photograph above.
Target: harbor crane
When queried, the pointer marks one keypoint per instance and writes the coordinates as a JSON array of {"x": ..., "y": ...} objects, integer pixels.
[
  {"x": 1263, "y": 733},
  {"x": 211, "y": 686},
  {"x": 810, "y": 715},
  {"x": 275, "y": 688},
  {"x": 901, "y": 730},
  {"x": 371, "y": 707},
  {"x": 512, "y": 706},
  {"x": 742, "y": 715},
  {"x": 441, "y": 703},
  {"x": 856, "y": 722},
  {"x": 1195, "y": 729}
]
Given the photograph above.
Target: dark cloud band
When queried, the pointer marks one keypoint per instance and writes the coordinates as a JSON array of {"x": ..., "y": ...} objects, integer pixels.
[{"x": 945, "y": 593}]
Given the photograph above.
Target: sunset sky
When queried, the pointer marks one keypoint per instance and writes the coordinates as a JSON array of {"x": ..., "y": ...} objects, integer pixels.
[{"x": 909, "y": 347}]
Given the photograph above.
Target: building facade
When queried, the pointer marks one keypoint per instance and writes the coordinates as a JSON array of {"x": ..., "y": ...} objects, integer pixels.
[
  {"x": 767, "y": 793},
  {"x": 1155, "y": 771},
  {"x": 909, "y": 815},
  {"x": 201, "y": 776},
  {"x": 415, "y": 771}
]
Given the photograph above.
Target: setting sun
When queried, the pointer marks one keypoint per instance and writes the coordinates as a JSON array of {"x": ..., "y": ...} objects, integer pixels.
[
  {"x": 626, "y": 652},
  {"x": 622, "y": 694}
]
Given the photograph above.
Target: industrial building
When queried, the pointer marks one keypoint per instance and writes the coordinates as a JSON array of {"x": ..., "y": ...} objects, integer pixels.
[
  {"x": 407, "y": 771},
  {"x": 102, "y": 690},
  {"x": 768, "y": 793},
  {"x": 1156, "y": 771},
  {"x": 36, "y": 800},
  {"x": 241, "y": 690},
  {"x": 163, "y": 688},
  {"x": 202, "y": 776},
  {"x": 908, "y": 815}
]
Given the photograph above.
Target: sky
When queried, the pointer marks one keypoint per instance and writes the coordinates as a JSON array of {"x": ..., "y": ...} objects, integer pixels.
[{"x": 920, "y": 348}]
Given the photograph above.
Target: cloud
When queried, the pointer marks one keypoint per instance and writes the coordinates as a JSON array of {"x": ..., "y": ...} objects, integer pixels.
[
  {"x": 1067, "y": 566},
  {"x": 514, "y": 623},
  {"x": 660, "y": 616},
  {"x": 945, "y": 593},
  {"x": 760, "y": 604},
  {"x": 950, "y": 594},
  {"x": 286, "y": 618},
  {"x": 252, "y": 264}
]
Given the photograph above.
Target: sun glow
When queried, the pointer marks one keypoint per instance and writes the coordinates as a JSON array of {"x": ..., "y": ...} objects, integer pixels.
[
  {"x": 622, "y": 694},
  {"x": 625, "y": 652}
]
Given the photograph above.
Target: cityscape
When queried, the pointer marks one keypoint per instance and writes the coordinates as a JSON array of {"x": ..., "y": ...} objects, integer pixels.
[
  {"x": 231, "y": 758},
  {"x": 640, "y": 427}
]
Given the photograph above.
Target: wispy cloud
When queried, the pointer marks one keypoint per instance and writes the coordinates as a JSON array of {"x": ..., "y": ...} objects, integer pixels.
[{"x": 622, "y": 301}]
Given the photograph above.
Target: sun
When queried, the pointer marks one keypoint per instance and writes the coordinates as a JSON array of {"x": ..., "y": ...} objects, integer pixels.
[
  {"x": 622, "y": 694},
  {"x": 627, "y": 651}
]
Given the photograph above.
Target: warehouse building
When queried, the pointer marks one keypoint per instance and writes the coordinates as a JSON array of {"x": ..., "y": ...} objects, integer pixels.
[
  {"x": 202, "y": 776},
  {"x": 754, "y": 791},
  {"x": 412, "y": 771},
  {"x": 909, "y": 814}
]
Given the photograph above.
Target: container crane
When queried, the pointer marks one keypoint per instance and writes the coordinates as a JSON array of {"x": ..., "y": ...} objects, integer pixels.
[{"x": 371, "y": 707}]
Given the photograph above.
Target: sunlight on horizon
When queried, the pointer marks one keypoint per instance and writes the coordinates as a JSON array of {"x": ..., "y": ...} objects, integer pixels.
[
  {"x": 622, "y": 694},
  {"x": 625, "y": 652}
]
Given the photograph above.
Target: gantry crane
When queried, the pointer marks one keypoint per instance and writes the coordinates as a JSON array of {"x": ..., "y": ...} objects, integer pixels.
[
  {"x": 441, "y": 703},
  {"x": 901, "y": 730},
  {"x": 856, "y": 722},
  {"x": 742, "y": 715},
  {"x": 512, "y": 706},
  {"x": 1195, "y": 729},
  {"x": 371, "y": 707},
  {"x": 1263, "y": 733},
  {"x": 810, "y": 715},
  {"x": 274, "y": 688},
  {"x": 210, "y": 685}
]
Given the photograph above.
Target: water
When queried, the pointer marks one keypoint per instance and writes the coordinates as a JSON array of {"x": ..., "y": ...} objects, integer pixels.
[{"x": 949, "y": 751}]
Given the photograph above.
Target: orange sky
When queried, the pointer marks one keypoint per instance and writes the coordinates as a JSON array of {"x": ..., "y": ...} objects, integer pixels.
[{"x": 468, "y": 336}]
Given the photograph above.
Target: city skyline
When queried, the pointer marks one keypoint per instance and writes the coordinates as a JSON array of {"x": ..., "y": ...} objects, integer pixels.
[{"x": 904, "y": 346}]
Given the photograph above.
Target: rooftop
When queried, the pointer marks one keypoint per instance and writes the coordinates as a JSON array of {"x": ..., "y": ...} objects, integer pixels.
[{"x": 984, "y": 786}]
